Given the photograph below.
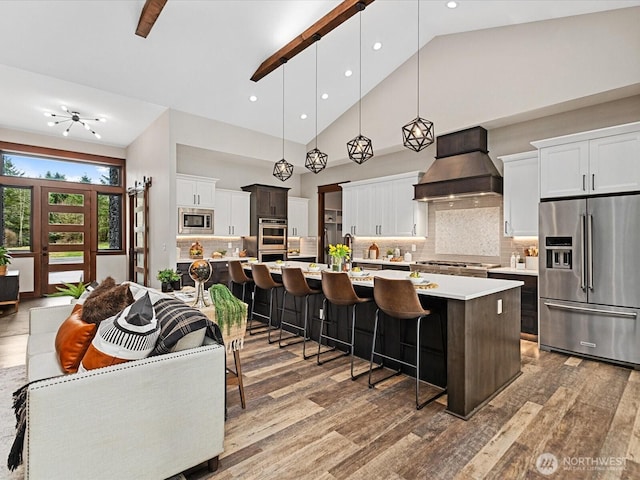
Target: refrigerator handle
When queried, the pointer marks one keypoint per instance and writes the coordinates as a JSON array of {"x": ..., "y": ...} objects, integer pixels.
[
  {"x": 590, "y": 251},
  {"x": 583, "y": 269}
]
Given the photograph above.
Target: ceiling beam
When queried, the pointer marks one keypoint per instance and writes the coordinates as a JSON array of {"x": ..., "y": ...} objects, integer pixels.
[
  {"x": 150, "y": 13},
  {"x": 333, "y": 19}
]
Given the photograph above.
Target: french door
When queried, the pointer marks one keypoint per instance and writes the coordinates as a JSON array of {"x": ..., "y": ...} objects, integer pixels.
[{"x": 66, "y": 237}]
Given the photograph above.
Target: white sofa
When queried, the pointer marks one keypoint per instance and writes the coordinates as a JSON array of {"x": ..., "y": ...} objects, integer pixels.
[{"x": 147, "y": 419}]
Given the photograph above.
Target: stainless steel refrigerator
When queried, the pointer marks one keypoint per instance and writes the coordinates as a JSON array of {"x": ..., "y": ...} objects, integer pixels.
[{"x": 589, "y": 277}]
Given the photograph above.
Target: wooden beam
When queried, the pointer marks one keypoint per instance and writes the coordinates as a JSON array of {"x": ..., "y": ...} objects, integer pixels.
[
  {"x": 150, "y": 13},
  {"x": 333, "y": 19}
]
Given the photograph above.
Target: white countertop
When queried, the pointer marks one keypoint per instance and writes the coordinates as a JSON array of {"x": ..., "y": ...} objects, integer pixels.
[
  {"x": 380, "y": 261},
  {"x": 223, "y": 259},
  {"x": 515, "y": 271},
  {"x": 449, "y": 286}
]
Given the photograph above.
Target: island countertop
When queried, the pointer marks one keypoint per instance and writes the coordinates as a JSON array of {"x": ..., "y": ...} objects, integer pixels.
[{"x": 449, "y": 286}]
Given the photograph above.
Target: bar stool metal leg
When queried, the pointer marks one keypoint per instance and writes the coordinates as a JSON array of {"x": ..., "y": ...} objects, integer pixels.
[
  {"x": 419, "y": 405},
  {"x": 373, "y": 352}
]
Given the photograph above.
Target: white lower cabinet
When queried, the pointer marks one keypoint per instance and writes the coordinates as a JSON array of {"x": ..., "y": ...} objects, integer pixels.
[
  {"x": 521, "y": 194},
  {"x": 384, "y": 207},
  {"x": 231, "y": 215}
]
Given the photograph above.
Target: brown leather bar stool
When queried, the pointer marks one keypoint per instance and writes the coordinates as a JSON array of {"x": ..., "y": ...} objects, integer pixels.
[
  {"x": 338, "y": 290},
  {"x": 399, "y": 299},
  {"x": 296, "y": 285},
  {"x": 238, "y": 277},
  {"x": 263, "y": 280}
]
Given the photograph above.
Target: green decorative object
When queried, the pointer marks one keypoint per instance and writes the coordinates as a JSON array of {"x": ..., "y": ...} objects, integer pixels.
[
  {"x": 69, "y": 290},
  {"x": 230, "y": 311}
]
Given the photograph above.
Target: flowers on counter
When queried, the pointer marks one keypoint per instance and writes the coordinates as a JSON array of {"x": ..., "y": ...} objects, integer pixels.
[{"x": 339, "y": 251}]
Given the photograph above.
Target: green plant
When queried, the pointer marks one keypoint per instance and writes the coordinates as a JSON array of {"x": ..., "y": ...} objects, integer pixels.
[
  {"x": 69, "y": 290},
  {"x": 5, "y": 258},
  {"x": 390, "y": 251},
  {"x": 168, "y": 275}
]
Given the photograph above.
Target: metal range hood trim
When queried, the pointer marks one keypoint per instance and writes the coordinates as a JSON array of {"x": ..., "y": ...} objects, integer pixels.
[{"x": 465, "y": 170}]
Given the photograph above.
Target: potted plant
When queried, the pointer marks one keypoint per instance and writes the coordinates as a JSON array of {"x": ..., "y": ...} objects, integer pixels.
[
  {"x": 70, "y": 290},
  {"x": 5, "y": 259},
  {"x": 168, "y": 279}
]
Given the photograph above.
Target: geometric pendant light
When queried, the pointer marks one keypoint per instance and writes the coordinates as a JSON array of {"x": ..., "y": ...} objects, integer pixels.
[
  {"x": 283, "y": 169},
  {"x": 360, "y": 149},
  {"x": 418, "y": 133},
  {"x": 316, "y": 161}
]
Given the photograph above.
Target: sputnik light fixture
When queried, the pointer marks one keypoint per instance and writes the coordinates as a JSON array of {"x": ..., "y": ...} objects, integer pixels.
[
  {"x": 283, "y": 169},
  {"x": 360, "y": 149},
  {"x": 73, "y": 117},
  {"x": 316, "y": 160},
  {"x": 418, "y": 134}
]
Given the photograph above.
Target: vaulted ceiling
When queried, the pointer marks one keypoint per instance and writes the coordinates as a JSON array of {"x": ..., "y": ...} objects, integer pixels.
[{"x": 200, "y": 55}]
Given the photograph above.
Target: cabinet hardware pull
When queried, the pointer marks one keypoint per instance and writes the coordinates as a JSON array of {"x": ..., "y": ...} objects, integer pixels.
[
  {"x": 583, "y": 270},
  {"x": 194, "y": 199},
  {"x": 584, "y": 185},
  {"x": 591, "y": 310},
  {"x": 198, "y": 199},
  {"x": 593, "y": 181},
  {"x": 590, "y": 251},
  {"x": 505, "y": 228}
]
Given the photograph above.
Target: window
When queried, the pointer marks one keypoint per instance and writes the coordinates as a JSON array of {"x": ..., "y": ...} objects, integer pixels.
[
  {"x": 30, "y": 166},
  {"x": 109, "y": 221},
  {"x": 16, "y": 218}
]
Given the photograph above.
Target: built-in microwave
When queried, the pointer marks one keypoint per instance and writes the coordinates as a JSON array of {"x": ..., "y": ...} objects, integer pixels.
[{"x": 195, "y": 221}]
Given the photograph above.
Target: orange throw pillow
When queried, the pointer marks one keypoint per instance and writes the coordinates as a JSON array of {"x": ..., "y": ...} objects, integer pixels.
[{"x": 72, "y": 340}]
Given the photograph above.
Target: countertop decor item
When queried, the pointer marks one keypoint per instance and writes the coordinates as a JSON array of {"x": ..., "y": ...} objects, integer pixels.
[
  {"x": 339, "y": 253},
  {"x": 200, "y": 271},
  {"x": 374, "y": 251},
  {"x": 195, "y": 251}
]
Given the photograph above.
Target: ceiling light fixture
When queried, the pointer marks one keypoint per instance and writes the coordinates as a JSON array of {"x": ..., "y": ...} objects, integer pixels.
[
  {"x": 303, "y": 116},
  {"x": 377, "y": 46},
  {"x": 253, "y": 98},
  {"x": 316, "y": 160},
  {"x": 452, "y": 4},
  {"x": 72, "y": 118},
  {"x": 325, "y": 96},
  {"x": 283, "y": 169},
  {"x": 360, "y": 149},
  {"x": 418, "y": 134},
  {"x": 348, "y": 73}
]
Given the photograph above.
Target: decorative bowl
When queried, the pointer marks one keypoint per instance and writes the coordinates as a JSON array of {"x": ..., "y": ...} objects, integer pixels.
[
  {"x": 416, "y": 280},
  {"x": 315, "y": 268},
  {"x": 361, "y": 273}
]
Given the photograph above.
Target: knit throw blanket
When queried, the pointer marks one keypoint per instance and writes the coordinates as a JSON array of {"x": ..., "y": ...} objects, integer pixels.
[{"x": 230, "y": 311}]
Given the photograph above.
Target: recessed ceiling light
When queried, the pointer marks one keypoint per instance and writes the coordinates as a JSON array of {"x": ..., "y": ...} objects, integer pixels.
[
  {"x": 253, "y": 98},
  {"x": 325, "y": 96},
  {"x": 348, "y": 73},
  {"x": 377, "y": 46},
  {"x": 452, "y": 4},
  {"x": 303, "y": 116}
]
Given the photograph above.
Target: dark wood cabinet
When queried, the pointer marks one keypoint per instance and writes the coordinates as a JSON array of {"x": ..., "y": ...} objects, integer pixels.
[
  {"x": 219, "y": 274},
  {"x": 267, "y": 201},
  {"x": 528, "y": 300}
]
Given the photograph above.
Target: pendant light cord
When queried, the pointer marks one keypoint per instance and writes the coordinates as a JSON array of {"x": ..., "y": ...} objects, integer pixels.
[
  {"x": 283, "y": 63},
  {"x": 360, "y": 91},
  {"x": 316, "y": 42},
  {"x": 418, "y": 58}
]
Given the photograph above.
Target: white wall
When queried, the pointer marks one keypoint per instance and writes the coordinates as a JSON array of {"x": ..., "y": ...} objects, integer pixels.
[
  {"x": 25, "y": 266},
  {"x": 493, "y": 75},
  {"x": 150, "y": 156},
  {"x": 114, "y": 266}
]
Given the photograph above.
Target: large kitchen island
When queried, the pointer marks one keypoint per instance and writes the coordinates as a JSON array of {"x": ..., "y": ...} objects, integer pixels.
[{"x": 483, "y": 333}]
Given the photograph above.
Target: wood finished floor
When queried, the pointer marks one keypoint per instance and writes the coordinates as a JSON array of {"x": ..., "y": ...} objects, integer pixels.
[{"x": 305, "y": 421}]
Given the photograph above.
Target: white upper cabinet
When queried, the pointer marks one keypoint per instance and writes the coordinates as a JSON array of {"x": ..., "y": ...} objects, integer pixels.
[
  {"x": 521, "y": 194},
  {"x": 590, "y": 163},
  {"x": 383, "y": 207},
  {"x": 231, "y": 216},
  {"x": 195, "y": 192},
  {"x": 298, "y": 217}
]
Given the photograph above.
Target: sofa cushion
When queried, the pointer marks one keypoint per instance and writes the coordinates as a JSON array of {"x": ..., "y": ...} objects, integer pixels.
[
  {"x": 41, "y": 343},
  {"x": 43, "y": 365},
  {"x": 105, "y": 301},
  {"x": 72, "y": 340},
  {"x": 129, "y": 335},
  {"x": 177, "y": 320}
]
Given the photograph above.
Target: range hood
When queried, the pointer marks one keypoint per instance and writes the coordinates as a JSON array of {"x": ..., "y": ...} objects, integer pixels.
[{"x": 462, "y": 168}]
